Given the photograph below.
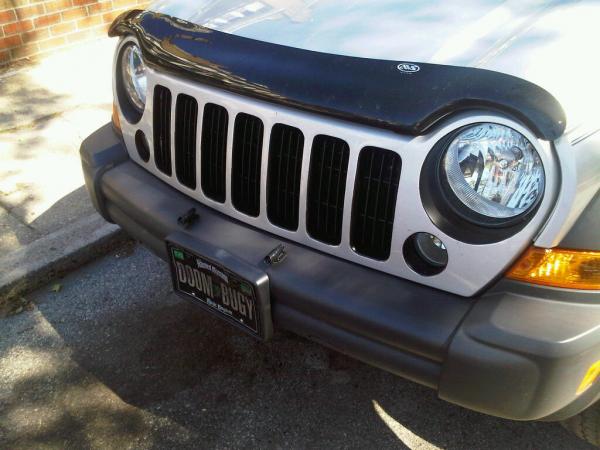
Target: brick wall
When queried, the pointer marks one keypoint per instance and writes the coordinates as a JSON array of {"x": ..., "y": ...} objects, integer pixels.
[{"x": 30, "y": 28}]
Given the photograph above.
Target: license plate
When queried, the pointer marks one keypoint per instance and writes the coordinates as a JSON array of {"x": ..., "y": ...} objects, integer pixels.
[{"x": 216, "y": 288}]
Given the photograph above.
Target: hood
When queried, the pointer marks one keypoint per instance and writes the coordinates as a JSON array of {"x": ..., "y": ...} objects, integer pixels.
[{"x": 544, "y": 42}]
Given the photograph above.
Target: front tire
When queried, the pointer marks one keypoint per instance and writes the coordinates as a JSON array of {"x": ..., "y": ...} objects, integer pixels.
[{"x": 586, "y": 424}]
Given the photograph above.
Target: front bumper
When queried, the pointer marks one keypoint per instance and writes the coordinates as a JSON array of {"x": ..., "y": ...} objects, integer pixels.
[{"x": 516, "y": 351}]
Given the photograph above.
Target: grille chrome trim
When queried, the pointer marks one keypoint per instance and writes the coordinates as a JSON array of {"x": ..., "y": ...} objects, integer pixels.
[{"x": 470, "y": 267}]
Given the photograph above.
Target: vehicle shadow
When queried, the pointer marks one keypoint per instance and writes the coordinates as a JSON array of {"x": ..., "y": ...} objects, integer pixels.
[{"x": 216, "y": 387}]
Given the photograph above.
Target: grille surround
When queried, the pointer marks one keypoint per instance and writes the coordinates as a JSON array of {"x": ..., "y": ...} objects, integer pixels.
[{"x": 464, "y": 276}]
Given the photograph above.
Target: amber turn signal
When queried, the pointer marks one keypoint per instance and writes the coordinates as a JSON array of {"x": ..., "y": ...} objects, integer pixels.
[
  {"x": 115, "y": 117},
  {"x": 571, "y": 269}
]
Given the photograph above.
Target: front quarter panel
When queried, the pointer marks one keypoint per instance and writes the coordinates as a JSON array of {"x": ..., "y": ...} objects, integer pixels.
[
  {"x": 575, "y": 219},
  {"x": 522, "y": 351}
]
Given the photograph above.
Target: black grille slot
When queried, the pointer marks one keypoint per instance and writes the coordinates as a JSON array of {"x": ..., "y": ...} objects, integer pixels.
[
  {"x": 162, "y": 129},
  {"x": 374, "y": 204},
  {"x": 245, "y": 168},
  {"x": 213, "y": 151},
  {"x": 326, "y": 188},
  {"x": 283, "y": 178},
  {"x": 186, "y": 118}
]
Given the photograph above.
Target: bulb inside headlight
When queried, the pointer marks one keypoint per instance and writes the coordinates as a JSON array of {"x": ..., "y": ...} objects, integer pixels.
[
  {"x": 133, "y": 72},
  {"x": 494, "y": 171}
]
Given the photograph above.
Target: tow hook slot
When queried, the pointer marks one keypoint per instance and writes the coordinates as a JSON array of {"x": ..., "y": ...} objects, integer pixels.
[
  {"x": 276, "y": 255},
  {"x": 186, "y": 220}
]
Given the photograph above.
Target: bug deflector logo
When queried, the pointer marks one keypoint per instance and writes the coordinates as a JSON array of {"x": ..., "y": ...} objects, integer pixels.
[{"x": 408, "y": 67}]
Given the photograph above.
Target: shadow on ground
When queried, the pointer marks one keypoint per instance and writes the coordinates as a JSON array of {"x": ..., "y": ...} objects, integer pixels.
[
  {"x": 122, "y": 362},
  {"x": 26, "y": 102}
]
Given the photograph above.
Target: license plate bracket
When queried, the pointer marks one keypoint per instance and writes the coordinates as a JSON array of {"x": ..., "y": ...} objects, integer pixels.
[{"x": 221, "y": 284}]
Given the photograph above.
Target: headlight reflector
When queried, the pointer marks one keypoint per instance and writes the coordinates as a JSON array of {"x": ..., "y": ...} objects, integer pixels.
[
  {"x": 494, "y": 171},
  {"x": 133, "y": 71}
]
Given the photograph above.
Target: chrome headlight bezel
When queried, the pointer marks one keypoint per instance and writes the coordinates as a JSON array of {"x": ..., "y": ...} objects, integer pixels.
[
  {"x": 131, "y": 81},
  {"x": 449, "y": 213}
]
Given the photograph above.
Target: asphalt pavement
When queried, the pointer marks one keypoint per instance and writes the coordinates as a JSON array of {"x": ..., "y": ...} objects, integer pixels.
[{"x": 109, "y": 357}]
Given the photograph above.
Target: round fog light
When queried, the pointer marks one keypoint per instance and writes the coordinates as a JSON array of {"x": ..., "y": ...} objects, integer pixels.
[
  {"x": 425, "y": 253},
  {"x": 431, "y": 249}
]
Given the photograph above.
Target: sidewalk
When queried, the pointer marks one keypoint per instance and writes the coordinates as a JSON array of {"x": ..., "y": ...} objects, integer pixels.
[{"x": 47, "y": 222}]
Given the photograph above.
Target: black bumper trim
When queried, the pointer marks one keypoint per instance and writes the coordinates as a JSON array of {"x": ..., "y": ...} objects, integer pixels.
[
  {"x": 413, "y": 367},
  {"x": 399, "y": 313},
  {"x": 403, "y": 364}
]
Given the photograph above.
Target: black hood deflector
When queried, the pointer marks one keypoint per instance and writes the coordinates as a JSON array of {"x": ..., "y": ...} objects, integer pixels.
[{"x": 368, "y": 91}]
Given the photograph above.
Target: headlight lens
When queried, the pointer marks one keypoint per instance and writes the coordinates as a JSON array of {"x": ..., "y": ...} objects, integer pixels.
[
  {"x": 134, "y": 76},
  {"x": 494, "y": 171}
]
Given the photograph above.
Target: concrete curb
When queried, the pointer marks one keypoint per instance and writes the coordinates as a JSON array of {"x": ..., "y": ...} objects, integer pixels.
[{"x": 35, "y": 264}]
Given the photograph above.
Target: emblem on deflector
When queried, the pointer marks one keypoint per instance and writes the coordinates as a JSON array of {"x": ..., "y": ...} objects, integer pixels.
[{"x": 408, "y": 67}]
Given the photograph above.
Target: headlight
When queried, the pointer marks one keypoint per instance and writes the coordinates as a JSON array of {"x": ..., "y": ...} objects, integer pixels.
[
  {"x": 133, "y": 72},
  {"x": 494, "y": 171}
]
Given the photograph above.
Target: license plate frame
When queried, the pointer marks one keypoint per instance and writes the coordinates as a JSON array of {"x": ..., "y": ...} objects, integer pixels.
[{"x": 244, "y": 283}]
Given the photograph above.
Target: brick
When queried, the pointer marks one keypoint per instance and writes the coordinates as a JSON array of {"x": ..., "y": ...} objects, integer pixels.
[
  {"x": 17, "y": 27},
  {"x": 29, "y": 12},
  {"x": 36, "y": 35},
  {"x": 124, "y": 4},
  {"x": 10, "y": 4},
  {"x": 4, "y": 57},
  {"x": 100, "y": 29},
  {"x": 82, "y": 2},
  {"x": 24, "y": 51},
  {"x": 52, "y": 43},
  {"x": 8, "y": 42},
  {"x": 88, "y": 22},
  {"x": 99, "y": 7},
  {"x": 7, "y": 16},
  {"x": 75, "y": 13},
  {"x": 57, "y": 5},
  {"x": 63, "y": 28},
  {"x": 80, "y": 36},
  {"x": 110, "y": 16},
  {"x": 48, "y": 20}
]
